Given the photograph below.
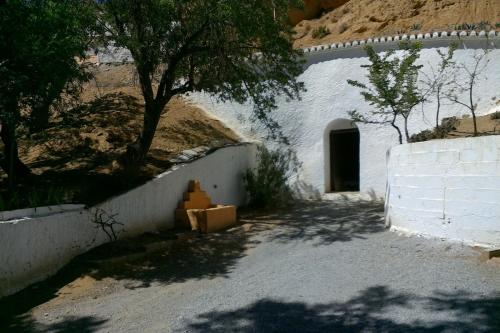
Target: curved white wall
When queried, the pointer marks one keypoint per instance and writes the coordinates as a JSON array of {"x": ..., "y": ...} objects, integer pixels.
[
  {"x": 446, "y": 188},
  {"x": 35, "y": 243},
  {"x": 330, "y": 97}
]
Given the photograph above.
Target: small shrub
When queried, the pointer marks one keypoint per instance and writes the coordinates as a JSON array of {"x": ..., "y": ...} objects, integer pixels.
[
  {"x": 484, "y": 25},
  {"x": 418, "y": 4},
  {"x": 19, "y": 199},
  {"x": 447, "y": 126},
  {"x": 497, "y": 25},
  {"x": 495, "y": 116},
  {"x": 51, "y": 196},
  {"x": 267, "y": 185},
  {"x": 11, "y": 201},
  {"x": 320, "y": 32},
  {"x": 416, "y": 27},
  {"x": 466, "y": 26}
]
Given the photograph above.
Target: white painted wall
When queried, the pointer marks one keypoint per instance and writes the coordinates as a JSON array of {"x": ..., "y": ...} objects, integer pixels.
[
  {"x": 329, "y": 98},
  {"x": 446, "y": 188},
  {"x": 36, "y": 243}
]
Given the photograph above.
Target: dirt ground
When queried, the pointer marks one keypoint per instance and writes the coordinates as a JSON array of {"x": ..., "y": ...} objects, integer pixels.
[
  {"x": 319, "y": 266},
  {"x": 486, "y": 125},
  {"x": 361, "y": 19},
  {"x": 80, "y": 150}
]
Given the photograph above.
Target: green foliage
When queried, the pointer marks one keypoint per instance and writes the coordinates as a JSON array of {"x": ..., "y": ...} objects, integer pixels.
[
  {"x": 34, "y": 198},
  {"x": 267, "y": 185},
  {"x": 234, "y": 50},
  {"x": 447, "y": 126},
  {"x": 484, "y": 25},
  {"x": 495, "y": 116},
  {"x": 466, "y": 26},
  {"x": 392, "y": 88},
  {"x": 416, "y": 27},
  {"x": 40, "y": 41},
  {"x": 320, "y": 32}
]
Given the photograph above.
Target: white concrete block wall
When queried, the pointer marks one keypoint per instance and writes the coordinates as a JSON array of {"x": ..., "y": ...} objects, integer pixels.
[
  {"x": 34, "y": 244},
  {"x": 446, "y": 188}
]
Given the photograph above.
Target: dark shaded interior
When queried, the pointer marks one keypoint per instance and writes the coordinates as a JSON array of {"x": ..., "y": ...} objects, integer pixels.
[{"x": 344, "y": 160}]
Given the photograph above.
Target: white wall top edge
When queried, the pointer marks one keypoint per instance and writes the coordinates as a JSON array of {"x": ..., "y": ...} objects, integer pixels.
[
  {"x": 455, "y": 142},
  {"x": 420, "y": 36},
  {"x": 125, "y": 57},
  {"x": 29, "y": 213}
]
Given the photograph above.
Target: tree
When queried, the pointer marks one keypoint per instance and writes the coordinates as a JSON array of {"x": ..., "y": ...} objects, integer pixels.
[
  {"x": 40, "y": 41},
  {"x": 467, "y": 82},
  {"x": 393, "y": 87},
  {"x": 235, "y": 50},
  {"x": 439, "y": 81}
]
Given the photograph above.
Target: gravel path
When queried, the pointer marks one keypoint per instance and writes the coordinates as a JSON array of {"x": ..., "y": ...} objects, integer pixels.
[{"x": 322, "y": 267}]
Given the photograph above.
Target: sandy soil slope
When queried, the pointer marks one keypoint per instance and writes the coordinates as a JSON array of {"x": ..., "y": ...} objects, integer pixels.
[{"x": 360, "y": 19}]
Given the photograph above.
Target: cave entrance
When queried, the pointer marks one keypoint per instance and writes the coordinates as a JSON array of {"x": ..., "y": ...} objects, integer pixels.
[{"x": 344, "y": 160}]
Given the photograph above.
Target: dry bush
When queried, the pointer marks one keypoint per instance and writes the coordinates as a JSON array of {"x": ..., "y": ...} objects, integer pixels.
[
  {"x": 447, "y": 126},
  {"x": 320, "y": 32}
]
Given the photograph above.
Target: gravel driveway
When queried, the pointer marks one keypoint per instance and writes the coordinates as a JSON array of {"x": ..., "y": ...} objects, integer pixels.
[{"x": 322, "y": 267}]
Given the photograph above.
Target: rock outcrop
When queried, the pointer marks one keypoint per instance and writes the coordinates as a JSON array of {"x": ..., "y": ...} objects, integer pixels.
[{"x": 313, "y": 9}]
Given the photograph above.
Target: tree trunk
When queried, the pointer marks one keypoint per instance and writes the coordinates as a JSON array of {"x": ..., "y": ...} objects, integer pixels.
[
  {"x": 39, "y": 118},
  {"x": 40, "y": 114},
  {"x": 472, "y": 106},
  {"x": 12, "y": 165},
  {"x": 406, "y": 130},
  {"x": 438, "y": 110},
  {"x": 138, "y": 151},
  {"x": 393, "y": 124},
  {"x": 474, "y": 120}
]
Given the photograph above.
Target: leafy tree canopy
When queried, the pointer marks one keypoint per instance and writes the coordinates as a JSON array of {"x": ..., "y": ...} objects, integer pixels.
[
  {"x": 40, "y": 41},
  {"x": 392, "y": 88},
  {"x": 235, "y": 50}
]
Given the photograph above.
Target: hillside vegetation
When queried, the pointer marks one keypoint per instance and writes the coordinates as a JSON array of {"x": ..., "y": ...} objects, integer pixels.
[{"x": 339, "y": 21}]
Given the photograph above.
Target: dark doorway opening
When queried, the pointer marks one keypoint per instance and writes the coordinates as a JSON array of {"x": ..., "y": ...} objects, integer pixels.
[{"x": 344, "y": 160}]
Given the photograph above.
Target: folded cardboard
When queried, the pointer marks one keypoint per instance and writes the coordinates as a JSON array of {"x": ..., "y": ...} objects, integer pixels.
[{"x": 197, "y": 212}]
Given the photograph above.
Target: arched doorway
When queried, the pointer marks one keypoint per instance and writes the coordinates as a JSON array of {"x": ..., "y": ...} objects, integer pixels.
[{"x": 342, "y": 156}]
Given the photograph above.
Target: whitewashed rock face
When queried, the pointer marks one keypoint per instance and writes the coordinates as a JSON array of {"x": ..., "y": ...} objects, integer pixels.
[{"x": 327, "y": 101}]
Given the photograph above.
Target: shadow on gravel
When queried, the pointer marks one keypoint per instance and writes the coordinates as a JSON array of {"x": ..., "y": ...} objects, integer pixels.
[
  {"x": 202, "y": 257},
  {"x": 364, "y": 313},
  {"x": 325, "y": 222},
  {"x": 205, "y": 257},
  {"x": 67, "y": 324}
]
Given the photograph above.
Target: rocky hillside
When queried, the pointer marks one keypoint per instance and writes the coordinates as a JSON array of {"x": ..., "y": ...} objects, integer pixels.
[{"x": 331, "y": 21}]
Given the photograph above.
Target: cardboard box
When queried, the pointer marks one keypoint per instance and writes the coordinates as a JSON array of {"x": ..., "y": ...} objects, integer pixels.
[{"x": 217, "y": 218}]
